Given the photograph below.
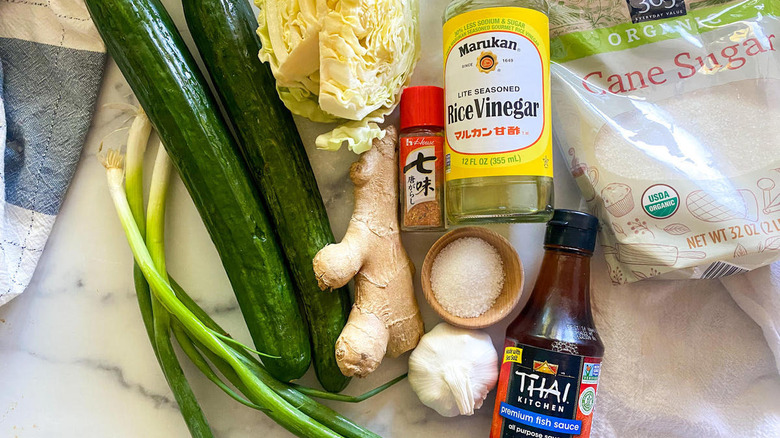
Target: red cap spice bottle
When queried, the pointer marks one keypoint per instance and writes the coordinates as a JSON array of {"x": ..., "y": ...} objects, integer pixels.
[
  {"x": 421, "y": 159},
  {"x": 552, "y": 352}
]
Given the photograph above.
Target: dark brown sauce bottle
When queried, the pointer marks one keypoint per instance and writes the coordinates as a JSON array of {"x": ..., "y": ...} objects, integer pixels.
[{"x": 552, "y": 353}]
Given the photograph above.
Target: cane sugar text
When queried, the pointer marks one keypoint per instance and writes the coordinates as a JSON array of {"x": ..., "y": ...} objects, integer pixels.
[{"x": 684, "y": 65}]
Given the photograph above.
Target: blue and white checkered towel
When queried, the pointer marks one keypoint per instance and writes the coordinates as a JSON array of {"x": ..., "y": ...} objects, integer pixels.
[{"x": 51, "y": 65}]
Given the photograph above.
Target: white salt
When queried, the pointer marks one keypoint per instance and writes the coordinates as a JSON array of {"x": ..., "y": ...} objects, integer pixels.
[{"x": 467, "y": 276}]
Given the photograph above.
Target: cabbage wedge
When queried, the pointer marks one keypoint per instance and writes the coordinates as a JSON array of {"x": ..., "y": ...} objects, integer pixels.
[{"x": 343, "y": 61}]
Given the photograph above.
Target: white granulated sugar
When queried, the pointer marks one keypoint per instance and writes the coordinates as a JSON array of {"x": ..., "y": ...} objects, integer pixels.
[
  {"x": 467, "y": 276},
  {"x": 727, "y": 130}
]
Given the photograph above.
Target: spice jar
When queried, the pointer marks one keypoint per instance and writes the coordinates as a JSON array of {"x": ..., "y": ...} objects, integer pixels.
[{"x": 421, "y": 159}]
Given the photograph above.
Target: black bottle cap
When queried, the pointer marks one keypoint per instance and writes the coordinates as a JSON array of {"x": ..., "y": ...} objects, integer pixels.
[{"x": 572, "y": 229}]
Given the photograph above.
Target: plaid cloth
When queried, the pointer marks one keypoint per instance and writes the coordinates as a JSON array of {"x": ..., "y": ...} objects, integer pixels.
[{"x": 51, "y": 65}]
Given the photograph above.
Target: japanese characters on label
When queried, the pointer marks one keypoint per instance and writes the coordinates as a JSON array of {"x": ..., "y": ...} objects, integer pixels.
[
  {"x": 420, "y": 170},
  {"x": 497, "y": 94},
  {"x": 421, "y": 161}
]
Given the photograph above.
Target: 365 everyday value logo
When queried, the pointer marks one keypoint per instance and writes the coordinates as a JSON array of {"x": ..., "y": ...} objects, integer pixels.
[{"x": 649, "y": 10}]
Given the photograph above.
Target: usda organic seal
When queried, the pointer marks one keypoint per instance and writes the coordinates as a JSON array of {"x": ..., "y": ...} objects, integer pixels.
[{"x": 660, "y": 201}]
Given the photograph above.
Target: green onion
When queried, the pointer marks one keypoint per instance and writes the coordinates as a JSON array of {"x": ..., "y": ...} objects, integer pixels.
[
  {"x": 319, "y": 412},
  {"x": 202, "y": 364},
  {"x": 311, "y": 392},
  {"x": 155, "y": 211},
  {"x": 198, "y": 335},
  {"x": 137, "y": 138},
  {"x": 277, "y": 408},
  {"x": 156, "y": 318}
]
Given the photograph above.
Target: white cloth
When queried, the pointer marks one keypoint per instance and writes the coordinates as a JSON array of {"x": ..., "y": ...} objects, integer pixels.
[
  {"x": 51, "y": 65},
  {"x": 758, "y": 294},
  {"x": 682, "y": 360}
]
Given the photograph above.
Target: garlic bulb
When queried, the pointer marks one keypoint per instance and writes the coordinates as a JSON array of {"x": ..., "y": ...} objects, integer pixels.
[{"x": 453, "y": 369}]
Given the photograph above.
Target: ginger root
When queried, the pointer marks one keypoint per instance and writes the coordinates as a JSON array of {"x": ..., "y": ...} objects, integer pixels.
[{"x": 385, "y": 318}]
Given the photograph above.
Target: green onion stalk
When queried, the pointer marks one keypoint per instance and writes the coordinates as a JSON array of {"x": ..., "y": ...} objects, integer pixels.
[
  {"x": 138, "y": 137},
  {"x": 156, "y": 318},
  {"x": 278, "y": 409},
  {"x": 169, "y": 309}
]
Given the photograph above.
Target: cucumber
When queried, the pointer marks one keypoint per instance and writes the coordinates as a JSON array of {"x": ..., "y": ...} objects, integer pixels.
[
  {"x": 142, "y": 39},
  {"x": 224, "y": 32}
]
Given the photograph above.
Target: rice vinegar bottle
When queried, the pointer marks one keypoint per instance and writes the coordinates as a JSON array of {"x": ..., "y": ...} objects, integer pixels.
[{"x": 498, "y": 147}]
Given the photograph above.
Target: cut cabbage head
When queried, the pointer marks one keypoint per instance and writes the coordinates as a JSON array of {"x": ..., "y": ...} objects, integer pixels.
[{"x": 340, "y": 60}]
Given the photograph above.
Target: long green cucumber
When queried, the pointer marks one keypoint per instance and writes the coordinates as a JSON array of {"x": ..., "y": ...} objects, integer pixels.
[
  {"x": 142, "y": 39},
  {"x": 224, "y": 32}
]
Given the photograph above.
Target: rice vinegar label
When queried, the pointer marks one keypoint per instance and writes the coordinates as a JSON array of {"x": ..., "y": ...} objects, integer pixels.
[
  {"x": 544, "y": 394},
  {"x": 497, "y": 94}
]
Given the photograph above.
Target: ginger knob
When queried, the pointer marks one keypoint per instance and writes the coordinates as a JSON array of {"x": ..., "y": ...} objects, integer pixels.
[{"x": 385, "y": 318}]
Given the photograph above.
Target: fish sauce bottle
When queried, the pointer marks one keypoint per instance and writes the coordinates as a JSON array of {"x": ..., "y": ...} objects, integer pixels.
[
  {"x": 552, "y": 352},
  {"x": 498, "y": 143}
]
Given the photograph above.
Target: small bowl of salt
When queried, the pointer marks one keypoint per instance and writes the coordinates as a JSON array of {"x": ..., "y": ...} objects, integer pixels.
[{"x": 472, "y": 277}]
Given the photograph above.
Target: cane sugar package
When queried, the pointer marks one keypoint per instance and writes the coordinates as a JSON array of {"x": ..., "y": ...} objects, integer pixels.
[{"x": 668, "y": 112}]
